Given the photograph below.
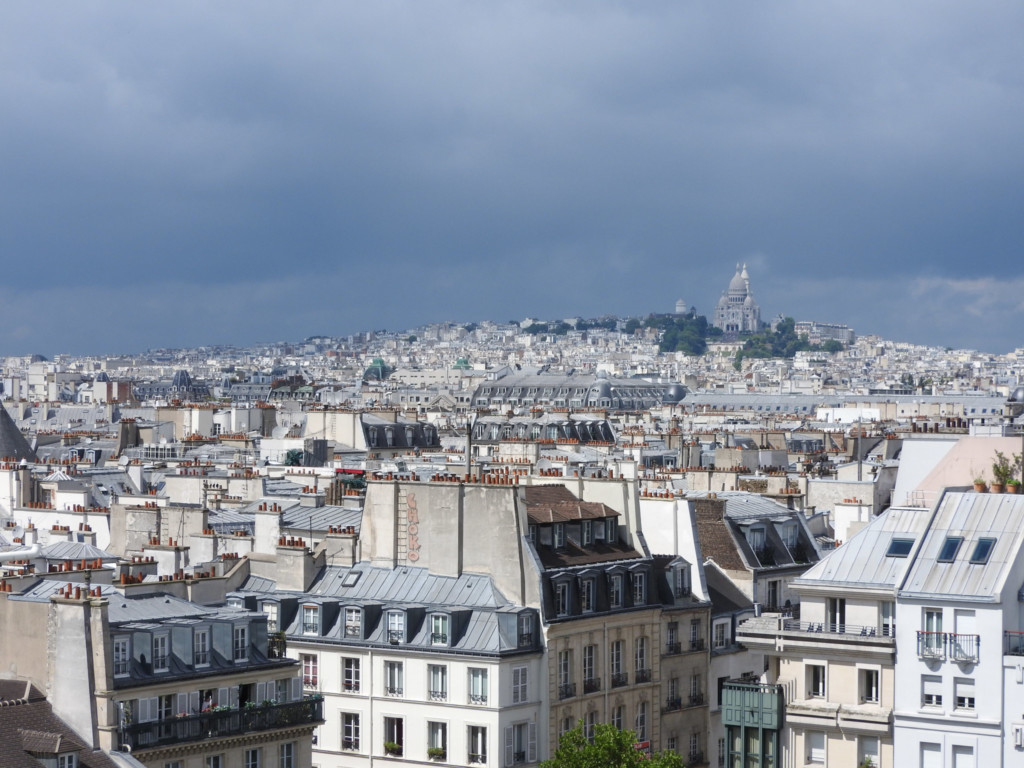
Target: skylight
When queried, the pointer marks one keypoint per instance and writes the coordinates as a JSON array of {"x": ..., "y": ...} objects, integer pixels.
[
  {"x": 982, "y": 550},
  {"x": 351, "y": 578},
  {"x": 949, "y": 549},
  {"x": 900, "y": 547}
]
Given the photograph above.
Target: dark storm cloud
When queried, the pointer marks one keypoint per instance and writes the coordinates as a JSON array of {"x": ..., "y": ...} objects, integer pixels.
[{"x": 366, "y": 165}]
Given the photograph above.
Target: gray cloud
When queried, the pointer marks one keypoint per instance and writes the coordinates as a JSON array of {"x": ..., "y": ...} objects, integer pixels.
[{"x": 471, "y": 160}]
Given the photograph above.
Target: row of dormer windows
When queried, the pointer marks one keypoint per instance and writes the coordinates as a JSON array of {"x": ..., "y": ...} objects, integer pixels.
[{"x": 158, "y": 661}]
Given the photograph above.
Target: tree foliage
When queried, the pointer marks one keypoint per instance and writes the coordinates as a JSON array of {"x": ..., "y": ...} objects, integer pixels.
[
  {"x": 683, "y": 333},
  {"x": 610, "y": 748},
  {"x": 782, "y": 342}
]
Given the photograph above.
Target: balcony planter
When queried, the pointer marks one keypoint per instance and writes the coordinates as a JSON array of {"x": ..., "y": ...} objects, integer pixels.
[
  {"x": 393, "y": 749},
  {"x": 437, "y": 753}
]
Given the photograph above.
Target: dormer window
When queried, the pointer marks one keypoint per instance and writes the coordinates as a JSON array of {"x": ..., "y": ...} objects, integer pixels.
[
  {"x": 122, "y": 656},
  {"x": 640, "y": 588},
  {"x": 271, "y": 611},
  {"x": 240, "y": 645},
  {"x": 67, "y": 760},
  {"x": 160, "y": 656},
  {"x": 559, "y": 535},
  {"x": 587, "y": 595},
  {"x": 615, "y": 590},
  {"x": 611, "y": 532},
  {"x": 562, "y": 599},
  {"x": 755, "y": 538},
  {"x": 396, "y": 627},
  {"x": 201, "y": 648},
  {"x": 439, "y": 629},
  {"x": 311, "y": 620},
  {"x": 587, "y": 533},
  {"x": 525, "y": 629},
  {"x": 353, "y": 622},
  {"x": 681, "y": 581}
]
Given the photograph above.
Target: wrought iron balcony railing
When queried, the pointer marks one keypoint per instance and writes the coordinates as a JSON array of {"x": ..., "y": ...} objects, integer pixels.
[{"x": 221, "y": 724}]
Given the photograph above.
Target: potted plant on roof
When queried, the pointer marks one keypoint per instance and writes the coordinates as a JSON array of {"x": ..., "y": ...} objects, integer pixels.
[
  {"x": 1003, "y": 470},
  {"x": 979, "y": 484}
]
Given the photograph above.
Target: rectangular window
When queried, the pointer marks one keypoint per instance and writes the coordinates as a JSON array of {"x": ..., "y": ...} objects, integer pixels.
[
  {"x": 721, "y": 637},
  {"x": 215, "y": 761},
  {"x": 562, "y": 599},
  {"x": 639, "y": 589},
  {"x": 815, "y": 746},
  {"x": 590, "y": 725},
  {"x": 589, "y": 658},
  {"x": 525, "y": 629},
  {"x": 437, "y": 676},
  {"x": 899, "y": 547},
  {"x": 437, "y": 739},
  {"x": 394, "y": 735},
  {"x": 964, "y": 691},
  {"x": 519, "y": 686},
  {"x": 887, "y": 608},
  {"x": 394, "y": 673},
  {"x": 310, "y": 670},
  {"x": 618, "y": 713},
  {"x": 982, "y": 551},
  {"x": 559, "y": 535},
  {"x": 521, "y": 744},
  {"x": 122, "y": 656},
  {"x": 353, "y": 622},
  {"x": 396, "y": 627},
  {"x": 640, "y": 657},
  {"x": 252, "y": 758},
  {"x": 311, "y": 620},
  {"x": 587, "y": 595},
  {"x": 350, "y": 674},
  {"x": 160, "y": 660},
  {"x": 949, "y": 549},
  {"x": 439, "y": 629},
  {"x": 641, "y": 721},
  {"x": 868, "y": 750},
  {"x": 477, "y": 685},
  {"x": 270, "y": 610},
  {"x": 615, "y": 657},
  {"x": 696, "y": 635},
  {"x": 816, "y": 681},
  {"x": 869, "y": 686},
  {"x": 615, "y": 590},
  {"x": 241, "y": 643},
  {"x": 672, "y": 637},
  {"x": 67, "y": 761},
  {"x": 931, "y": 691},
  {"x": 587, "y": 532},
  {"x": 477, "y": 742},
  {"x": 565, "y": 674},
  {"x": 611, "y": 530},
  {"x": 350, "y": 731}
]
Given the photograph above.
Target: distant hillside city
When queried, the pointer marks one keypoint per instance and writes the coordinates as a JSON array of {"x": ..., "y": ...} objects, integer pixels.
[{"x": 743, "y": 542}]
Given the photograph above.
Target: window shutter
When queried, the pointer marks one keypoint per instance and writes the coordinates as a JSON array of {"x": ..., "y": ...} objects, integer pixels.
[
  {"x": 509, "y": 748},
  {"x": 194, "y": 703},
  {"x": 531, "y": 743},
  {"x": 182, "y": 703},
  {"x": 222, "y": 697},
  {"x": 234, "y": 696},
  {"x": 296, "y": 694},
  {"x": 261, "y": 693}
]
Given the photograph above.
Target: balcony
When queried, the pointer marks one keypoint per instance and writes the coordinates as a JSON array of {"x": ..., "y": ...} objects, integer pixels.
[
  {"x": 310, "y": 628},
  {"x": 438, "y": 638},
  {"x": 350, "y": 744},
  {"x": 392, "y": 690},
  {"x": 698, "y": 644},
  {"x": 696, "y": 758},
  {"x": 592, "y": 684},
  {"x": 673, "y": 704},
  {"x": 395, "y": 636},
  {"x": 350, "y": 686},
  {"x": 671, "y": 649},
  {"x": 696, "y": 700},
  {"x": 477, "y": 758},
  {"x": 478, "y": 698},
  {"x": 1013, "y": 643},
  {"x": 566, "y": 690},
  {"x": 643, "y": 676},
  {"x": 931, "y": 645},
  {"x": 770, "y": 632},
  {"x": 221, "y": 724},
  {"x": 518, "y": 758},
  {"x": 439, "y": 695},
  {"x": 963, "y": 647},
  {"x": 277, "y": 645},
  {"x": 525, "y": 639},
  {"x": 620, "y": 679}
]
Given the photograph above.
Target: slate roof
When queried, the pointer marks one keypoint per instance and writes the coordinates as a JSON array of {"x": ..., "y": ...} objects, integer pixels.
[
  {"x": 13, "y": 444},
  {"x": 28, "y": 724}
]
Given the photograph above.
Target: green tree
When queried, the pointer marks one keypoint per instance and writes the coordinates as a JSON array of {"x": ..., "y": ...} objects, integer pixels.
[{"x": 610, "y": 748}]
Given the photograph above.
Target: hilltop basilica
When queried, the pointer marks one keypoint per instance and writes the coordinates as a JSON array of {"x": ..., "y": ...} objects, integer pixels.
[{"x": 736, "y": 311}]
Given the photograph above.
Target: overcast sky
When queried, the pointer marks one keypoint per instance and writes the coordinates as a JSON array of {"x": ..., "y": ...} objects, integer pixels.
[{"x": 185, "y": 173}]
